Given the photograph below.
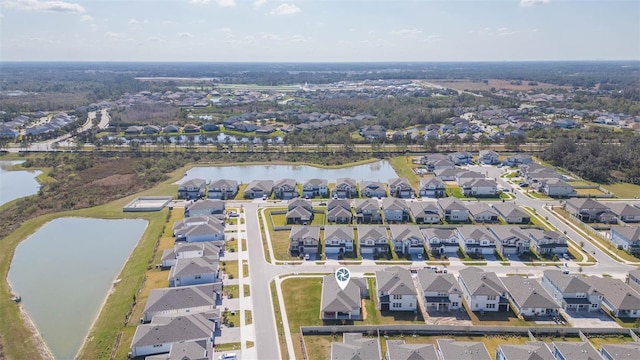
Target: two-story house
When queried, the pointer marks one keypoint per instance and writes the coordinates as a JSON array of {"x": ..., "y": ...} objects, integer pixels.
[
  {"x": 432, "y": 187},
  {"x": 479, "y": 188},
  {"x": 285, "y": 189},
  {"x": 339, "y": 211},
  {"x": 299, "y": 211},
  {"x": 304, "y": 240},
  {"x": 633, "y": 279},
  {"x": 223, "y": 189},
  {"x": 194, "y": 271},
  {"x": 511, "y": 239},
  {"x": 258, "y": 188},
  {"x": 447, "y": 174},
  {"x": 315, "y": 188},
  {"x": 511, "y": 213},
  {"x": 345, "y": 189},
  {"x": 482, "y": 213},
  {"x": 189, "y": 250},
  {"x": 461, "y": 157},
  {"x": 626, "y": 238},
  {"x": 482, "y": 291},
  {"x": 548, "y": 242},
  {"x": 338, "y": 239},
  {"x": 192, "y": 189},
  {"x": 401, "y": 188},
  {"x": 340, "y": 304},
  {"x": 518, "y": 159},
  {"x": 441, "y": 241},
  {"x": 367, "y": 211},
  {"x": 372, "y": 240},
  {"x": 450, "y": 349},
  {"x": 619, "y": 298},
  {"x": 204, "y": 207},
  {"x": 407, "y": 239},
  {"x": 625, "y": 212},
  {"x": 395, "y": 210},
  {"x": 465, "y": 177},
  {"x": 488, "y": 157},
  {"x": 555, "y": 187},
  {"x": 395, "y": 290},
  {"x": 400, "y": 350},
  {"x": 424, "y": 212},
  {"x": 529, "y": 298},
  {"x": 585, "y": 209},
  {"x": 372, "y": 189},
  {"x": 180, "y": 301},
  {"x": 453, "y": 210},
  {"x": 475, "y": 239},
  {"x": 441, "y": 291},
  {"x": 572, "y": 292}
]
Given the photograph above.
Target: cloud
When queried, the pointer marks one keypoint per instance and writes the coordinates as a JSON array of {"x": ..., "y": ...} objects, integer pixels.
[
  {"x": 154, "y": 39},
  {"x": 285, "y": 9},
  {"x": 185, "y": 35},
  {"x": 533, "y": 2},
  {"x": 259, "y": 3},
  {"x": 269, "y": 36},
  {"x": 86, "y": 18},
  {"x": 408, "y": 33},
  {"x": 226, "y": 3},
  {"x": 504, "y": 31},
  {"x": 169, "y": 22},
  {"x": 134, "y": 22},
  {"x": 51, "y": 6},
  {"x": 200, "y": 2},
  {"x": 115, "y": 35}
]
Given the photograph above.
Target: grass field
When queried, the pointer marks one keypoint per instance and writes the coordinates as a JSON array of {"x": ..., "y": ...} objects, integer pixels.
[
  {"x": 278, "y": 316},
  {"x": 594, "y": 192},
  {"x": 230, "y": 268},
  {"x": 404, "y": 168},
  {"x": 624, "y": 190}
]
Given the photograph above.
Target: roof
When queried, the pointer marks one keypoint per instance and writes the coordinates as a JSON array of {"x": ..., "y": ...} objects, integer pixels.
[
  {"x": 371, "y": 185},
  {"x": 528, "y": 293},
  {"x": 366, "y": 204},
  {"x": 585, "y": 203},
  {"x": 191, "y": 350},
  {"x": 172, "y": 329},
  {"x": 479, "y": 282},
  {"x": 372, "y": 231},
  {"x": 479, "y": 208},
  {"x": 433, "y": 181},
  {"x": 298, "y": 212},
  {"x": 206, "y": 205},
  {"x": 391, "y": 203},
  {"x": 628, "y": 351},
  {"x": 395, "y": 281},
  {"x": 180, "y": 298},
  {"x": 344, "y": 203},
  {"x": 355, "y": 347},
  {"x": 336, "y": 299},
  {"x": 316, "y": 182},
  {"x": 430, "y": 233},
  {"x": 338, "y": 231},
  {"x": 529, "y": 351},
  {"x": 451, "y": 203},
  {"x": 507, "y": 231},
  {"x": 631, "y": 233},
  {"x": 623, "y": 209},
  {"x": 616, "y": 293},
  {"x": 538, "y": 234},
  {"x": 283, "y": 182},
  {"x": 300, "y": 231},
  {"x": 567, "y": 283},
  {"x": 482, "y": 183},
  {"x": 432, "y": 281},
  {"x": 510, "y": 210},
  {"x": 204, "y": 229},
  {"x": 446, "y": 172},
  {"x": 223, "y": 183},
  {"x": 264, "y": 185},
  {"x": 420, "y": 208},
  {"x": 575, "y": 350},
  {"x": 339, "y": 212},
  {"x": 194, "y": 266},
  {"x": 399, "y": 181},
  {"x": 462, "y": 350},
  {"x": 193, "y": 183},
  {"x": 476, "y": 232},
  {"x": 345, "y": 181},
  {"x": 295, "y": 202},
  {"x": 398, "y": 350},
  {"x": 404, "y": 232}
]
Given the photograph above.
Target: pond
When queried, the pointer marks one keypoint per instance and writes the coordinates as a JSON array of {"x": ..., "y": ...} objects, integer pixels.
[
  {"x": 376, "y": 171},
  {"x": 16, "y": 184},
  {"x": 64, "y": 271}
]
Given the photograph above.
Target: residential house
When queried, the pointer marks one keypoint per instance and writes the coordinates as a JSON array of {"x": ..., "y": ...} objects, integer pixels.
[
  {"x": 192, "y": 189},
  {"x": 482, "y": 291},
  {"x": 210, "y": 127},
  {"x": 619, "y": 299},
  {"x": 133, "y": 130},
  {"x": 407, "y": 239},
  {"x": 574, "y": 350},
  {"x": 432, "y": 187},
  {"x": 572, "y": 292},
  {"x": 150, "y": 129},
  {"x": 299, "y": 215},
  {"x": 399, "y": 350},
  {"x": 488, "y": 157},
  {"x": 345, "y": 189},
  {"x": 338, "y": 239},
  {"x": 439, "y": 164},
  {"x": 461, "y": 158},
  {"x": 441, "y": 241},
  {"x": 223, "y": 189},
  {"x": 453, "y": 210},
  {"x": 171, "y": 129},
  {"x": 372, "y": 189},
  {"x": 189, "y": 250},
  {"x": 535, "y": 172},
  {"x": 340, "y": 304},
  {"x": 511, "y": 240},
  {"x": 627, "y": 351},
  {"x": 182, "y": 300},
  {"x": 529, "y": 298},
  {"x": 285, "y": 189},
  {"x": 355, "y": 346},
  {"x": 258, "y": 188},
  {"x": 191, "y": 128},
  {"x": 367, "y": 211},
  {"x": 482, "y": 213},
  {"x": 450, "y": 349},
  {"x": 297, "y": 202},
  {"x": 401, "y": 188},
  {"x": 339, "y": 211},
  {"x": 532, "y": 350},
  {"x": 395, "y": 210},
  {"x": 465, "y": 177},
  {"x": 204, "y": 207},
  {"x": 164, "y": 331},
  {"x": 441, "y": 291},
  {"x": 304, "y": 240},
  {"x": 372, "y": 240},
  {"x": 194, "y": 271},
  {"x": 373, "y": 132},
  {"x": 479, "y": 188},
  {"x": 518, "y": 159},
  {"x": 395, "y": 290},
  {"x": 512, "y": 214},
  {"x": 625, "y": 212},
  {"x": 475, "y": 239},
  {"x": 633, "y": 279},
  {"x": 548, "y": 242},
  {"x": 586, "y": 209},
  {"x": 201, "y": 228},
  {"x": 315, "y": 188},
  {"x": 447, "y": 174},
  {"x": 626, "y": 238},
  {"x": 424, "y": 212}
]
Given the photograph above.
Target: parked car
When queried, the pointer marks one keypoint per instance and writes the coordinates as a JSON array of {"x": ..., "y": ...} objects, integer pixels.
[
  {"x": 228, "y": 356},
  {"x": 523, "y": 184}
]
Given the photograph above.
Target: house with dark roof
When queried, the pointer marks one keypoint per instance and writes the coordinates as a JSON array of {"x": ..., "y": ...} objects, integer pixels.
[
  {"x": 619, "y": 299},
  {"x": 476, "y": 239},
  {"x": 399, "y": 350},
  {"x": 424, "y": 212},
  {"x": 482, "y": 213},
  {"x": 518, "y": 159},
  {"x": 625, "y": 212},
  {"x": 529, "y": 298},
  {"x": 532, "y": 350},
  {"x": 585, "y": 209},
  {"x": 315, "y": 188},
  {"x": 482, "y": 291},
  {"x": 340, "y": 304},
  {"x": 345, "y": 189},
  {"x": 441, "y": 241},
  {"x": 407, "y": 239},
  {"x": 548, "y": 242},
  {"x": 355, "y": 346},
  {"x": 432, "y": 187},
  {"x": 626, "y": 238},
  {"x": 574, "y": 350},
  {"x": 511, "y": 240},
  {"x": 488, "y": 157},
  {"x": 202, "y": 228},
  {"x": 338, "y": 239},
  {"x": 441, "y": 291},
  {"x": 395, "y": 210},
  {"x": 223, "y": 189},
  {"x": 447, "y": 174},
  {"x": 453, "y": 210},
  {"x": 184, "y": 300},
  {"x": 304, "y": 240},
  {"x": 299, "y": 215},
  {"x": 372, "y": 240},
  {"x": 572, "y": 292},
  {"x": 340, "y": 214},
  {"x": 372, "y": 189},
  {"x": 511, "y": 213},
  {"x": 204, "y": 207},
  {"x": 285, "y": 189},
  {"x": 258, "y": 188},
  {"x": 461, "y": 157},
  {"x": 367, "y": 211},
  {"x": 298, "y": 202},
  {"x": 192, "y": 189},
  {"x": 195, "y": 271},
  {"x": 401, "y": 188},
  {"x": 450, "y": 349},
  {"x": 465, "y": 177},
  {"x": 627, "y": 351},
  {"x": 395, "y": 290}
]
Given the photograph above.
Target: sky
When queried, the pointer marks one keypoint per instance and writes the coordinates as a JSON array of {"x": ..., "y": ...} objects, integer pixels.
[{"x": 319, "y": 30}]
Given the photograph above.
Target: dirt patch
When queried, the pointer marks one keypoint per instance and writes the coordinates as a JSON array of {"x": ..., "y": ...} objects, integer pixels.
[
  {"x": 470, "y": 85},
  {"x": 115, "y": 180}
]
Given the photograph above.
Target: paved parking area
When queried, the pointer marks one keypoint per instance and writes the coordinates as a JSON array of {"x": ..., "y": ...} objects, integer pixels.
[
  {"x": 448, "y": 318},
  {"x": 595, "y": 319}
]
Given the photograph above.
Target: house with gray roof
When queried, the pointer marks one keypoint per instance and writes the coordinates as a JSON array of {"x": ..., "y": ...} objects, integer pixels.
[
  {"x": 532, "y": 350},
  {"x": 343, "y": 203},
  {"x": 372, "y": 240},
  {"x": 187, "y": 350},
  {"x": 192, "y": 189},
  {"x": 285, "y": 189},
  {"x": 354, "y": 346},
  {"x": 424, "y": 212},
  {"x": 338, "y": 239},
  {"x": 159, "y": 336},
  {"x": 441, "y": 291},
  {"x": 299, "y": 215},
  {"x": 627, "y": 351},
  {"x": 258, "y": 188},
  {"x": 372, "y": 189},
  {"x": 453, "y": 210},
  {"x": 619, "y": 299},
  {"x": 204, "y": 207},
  {"x": 511, "y": 240},
  {"x": 304, "y": 240},
  {"x": 345, "y": 189},
  {"x": 432, "y": 187},
  {"x": 625, "y": 212},
  {"x": 482, "y": 213},
  {"x": 401, "y": 188},
  {"x": 450, "y": 349},
  {"x": 223, "y": 189},
  {"x": 399, "y": 350},
  {"x": 407, "y": 239},
  {"x": 195, "y": 271},
  {"x": 548, "y": 242},
  {"x": 298, "y": 202},
  {"x": 479, "y": 188},
  {"x": 626, "y": 238},
  {"x": 340, "y": 215},
  {"x": 465, "y": 177},
  {"x": 367, "y": 211},
  {"x": 518, "y": 159},
  {"x": 529, "y": 298},
  {"x": 511, "y": 213},
  {"x": 585, "y": 209},
  {"x": 395, "y": 210},
  {"x": 339, "y": 304},
  {"x": 574, "y": 350},
  {"x": 476, "y": 239},
  {"x": 488, "y": 157},
  {"x": 188, "y": 251},
  {"x": 441, "y": 241},
  {"x": 201, "y": 228},
  {"x": 447, "y": 174},
  {"x": 175, "y": 301},
  {"x": 633, "y": 279},
  {"x": 572, "y": 292},
  {"x": 315, "y": 188},
  {"x": 483, "y": 291},
  {"x": 395, "y": 290}
]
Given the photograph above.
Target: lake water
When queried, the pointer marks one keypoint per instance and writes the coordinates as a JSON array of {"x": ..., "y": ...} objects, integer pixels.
[
  {"x": 16, "y": 184},
  {"x": 64, "y": 272},
  {"x": 376, "y": 171}
]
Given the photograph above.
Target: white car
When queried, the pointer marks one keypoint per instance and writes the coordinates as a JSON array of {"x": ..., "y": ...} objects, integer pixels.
[{"x": 228, "y": 356}]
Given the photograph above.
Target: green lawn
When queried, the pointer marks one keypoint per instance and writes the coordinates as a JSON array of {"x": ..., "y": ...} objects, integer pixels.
[
  {"x": 404, "y": 168},
  {"x": 230, "y": 267},
  {"x": 624, "y": 190},
  {"x": 248, "y": 317},
  {"x": 232, "y": 290},
  {"x": 279, "y": 326}
]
